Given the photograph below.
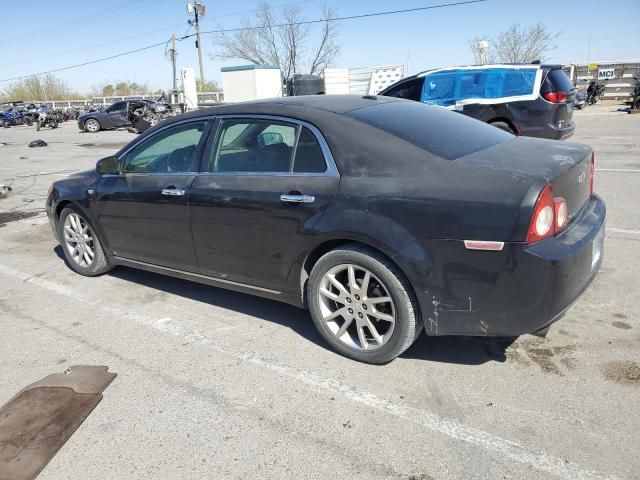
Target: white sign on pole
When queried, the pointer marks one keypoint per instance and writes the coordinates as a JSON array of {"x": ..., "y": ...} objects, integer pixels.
[{"x": 606, "y": 73}]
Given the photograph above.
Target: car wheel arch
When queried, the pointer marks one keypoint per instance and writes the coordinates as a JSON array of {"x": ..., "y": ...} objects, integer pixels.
[
  {"x": 331, "y": 244},
  {"x": 84, "y": 122},
  {"x": 511, "y": 125}
]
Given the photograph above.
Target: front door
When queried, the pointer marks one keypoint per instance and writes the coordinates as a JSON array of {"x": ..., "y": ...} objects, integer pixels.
[
  {"x": 268, "y": 182},
  {"x": 143, "y": 211},
  {"x": 116, "y": 115}
]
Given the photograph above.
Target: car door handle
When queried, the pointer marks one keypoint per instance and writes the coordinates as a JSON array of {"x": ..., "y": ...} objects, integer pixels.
[
  {"x": 172, "y": 192},
  {"x": 297, "y": 198}
]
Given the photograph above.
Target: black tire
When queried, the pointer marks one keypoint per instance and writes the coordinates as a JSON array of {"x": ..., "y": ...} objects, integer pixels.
[
  {"x": 54, "y": 123},
  {"x": 503, "y": 126},
  {"x": 100, "y": 263},
  {"x": 28, "y": 121},
  {"x": 94, "y": 124},
  {"x": 407, "y": 323}
]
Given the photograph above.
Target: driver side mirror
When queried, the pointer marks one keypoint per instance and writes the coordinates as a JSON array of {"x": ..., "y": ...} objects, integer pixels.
[{"x": 109, "y": 164}]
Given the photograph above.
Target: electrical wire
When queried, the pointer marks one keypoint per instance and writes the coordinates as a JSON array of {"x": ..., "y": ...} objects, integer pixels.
[
  {"x": 338, "y": 19},
  {"x": 122, "y": 54},
  {"x": 94, "y": 46},
  {"x": 230, "y": 30}
]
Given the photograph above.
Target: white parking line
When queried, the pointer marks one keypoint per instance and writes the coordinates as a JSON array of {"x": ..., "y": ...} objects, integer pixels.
[
  {"x": 619, "y": 170},
  {"x": 456, "y": 430},
  {"x": 623, "y": 230}
]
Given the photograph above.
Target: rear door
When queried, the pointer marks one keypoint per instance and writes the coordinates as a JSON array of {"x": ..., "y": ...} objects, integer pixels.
[
  {"x": 267, "y": 182},
  {"x": 143, "y": 211}
]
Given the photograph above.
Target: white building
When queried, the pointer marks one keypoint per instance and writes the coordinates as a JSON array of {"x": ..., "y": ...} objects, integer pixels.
[{"x": 251, "y": 82}]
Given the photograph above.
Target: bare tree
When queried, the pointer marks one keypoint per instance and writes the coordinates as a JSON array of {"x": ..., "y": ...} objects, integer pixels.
[
  {"x": 41, "y": 88},
  {"x": 119, "y": 88},
  {"x": 283, "y": 41},
  {"x": 515, "y": 45}
]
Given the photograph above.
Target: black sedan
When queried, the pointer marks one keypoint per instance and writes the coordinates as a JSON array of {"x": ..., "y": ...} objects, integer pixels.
[
  {"x": 120, "y": 114},
  {"x": 381, "y": 216}
]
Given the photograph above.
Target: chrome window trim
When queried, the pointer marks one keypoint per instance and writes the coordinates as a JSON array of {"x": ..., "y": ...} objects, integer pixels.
[{"x": 331, "y": 171}]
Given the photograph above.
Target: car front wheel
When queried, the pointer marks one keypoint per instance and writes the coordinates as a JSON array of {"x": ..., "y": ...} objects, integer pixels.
[
  {"x": 362, "y": 305},
  {"x": 92, "y": 125},
  {"x": 81, "y": 245}
]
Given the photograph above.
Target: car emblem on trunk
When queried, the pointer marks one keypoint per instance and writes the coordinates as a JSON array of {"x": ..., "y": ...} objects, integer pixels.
[{"x": 582, "y": 177}]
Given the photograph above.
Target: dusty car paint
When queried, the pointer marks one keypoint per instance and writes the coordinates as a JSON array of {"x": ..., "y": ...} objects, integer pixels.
[{"x": 415, "y": 207}]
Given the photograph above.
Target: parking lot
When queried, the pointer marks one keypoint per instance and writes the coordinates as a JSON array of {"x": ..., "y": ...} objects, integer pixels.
[{"x": 216, "y": 384}]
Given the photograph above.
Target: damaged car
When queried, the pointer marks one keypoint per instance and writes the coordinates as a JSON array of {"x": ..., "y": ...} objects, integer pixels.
[
  {"x": 124, "y": 114},
  {"x": 383, "y": 217}
]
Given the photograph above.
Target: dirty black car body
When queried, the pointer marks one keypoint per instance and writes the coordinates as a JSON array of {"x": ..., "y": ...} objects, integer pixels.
[{"x": 443, "y": 202}]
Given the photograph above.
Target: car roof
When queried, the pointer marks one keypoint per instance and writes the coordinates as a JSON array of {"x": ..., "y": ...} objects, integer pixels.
[
  {"x": 339, "y": 104},
  {"x": 496, "y": 65}
]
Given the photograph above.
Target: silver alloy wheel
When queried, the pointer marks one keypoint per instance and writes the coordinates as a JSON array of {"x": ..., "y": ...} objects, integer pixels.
[
  {"x": 356, "y": 307},
  {"x": 91, "y": 125},
  {"x": 78, "y": 240},
  {"x": 152, "y": 118}
]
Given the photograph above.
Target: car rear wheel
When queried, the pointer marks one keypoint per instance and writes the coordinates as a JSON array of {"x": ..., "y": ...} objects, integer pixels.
[
  {"x": 92, "y": 125},
  {"x": 81, "y": 245},
  {"x": 362, "y": 305}
]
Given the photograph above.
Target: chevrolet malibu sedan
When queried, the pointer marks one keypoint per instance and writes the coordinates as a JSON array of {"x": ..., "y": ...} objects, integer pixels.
[{"x": 381, "y": 216}]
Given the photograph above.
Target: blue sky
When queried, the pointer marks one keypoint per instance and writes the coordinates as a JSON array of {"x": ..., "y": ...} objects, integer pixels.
[{"x": 41, "y": 35}]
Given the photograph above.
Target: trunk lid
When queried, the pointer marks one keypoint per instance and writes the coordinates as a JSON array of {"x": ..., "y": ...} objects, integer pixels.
[{"x": 532, "y": 163}]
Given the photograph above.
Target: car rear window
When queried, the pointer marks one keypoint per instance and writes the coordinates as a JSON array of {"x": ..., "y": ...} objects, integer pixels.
[
  {"x": 449, "y": 135},
  {"x": 556, "y": 81}
]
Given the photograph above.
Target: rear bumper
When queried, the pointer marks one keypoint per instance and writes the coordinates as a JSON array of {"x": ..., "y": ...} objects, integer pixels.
[
  {"x": 522, "y": 289},
  {"x": 550, "y": 131}
]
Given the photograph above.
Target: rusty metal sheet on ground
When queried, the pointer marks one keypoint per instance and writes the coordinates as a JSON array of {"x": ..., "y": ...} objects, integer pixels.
[{"x": 38, "y": 421}]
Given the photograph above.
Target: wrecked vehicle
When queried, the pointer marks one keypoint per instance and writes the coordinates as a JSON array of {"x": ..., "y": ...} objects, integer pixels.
[
  {"x": 381, "y": 216},
  {"x": 123, "y": 114},
  {"x": 530, "y": 100}
]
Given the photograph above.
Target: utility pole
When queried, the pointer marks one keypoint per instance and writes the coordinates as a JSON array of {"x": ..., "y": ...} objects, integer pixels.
[
  {"x": 173, "y": 62},
  {"x": 199, "y": 10}
]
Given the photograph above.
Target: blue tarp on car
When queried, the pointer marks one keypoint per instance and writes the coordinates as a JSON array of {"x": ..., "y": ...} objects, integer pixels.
[{"x": 446, "y": 87}]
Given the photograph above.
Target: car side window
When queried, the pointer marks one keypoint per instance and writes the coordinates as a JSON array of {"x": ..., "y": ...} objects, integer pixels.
[
  {"x": 254, "y": 146},
  {"x": 170, "y": 151},
  {"x": 409, "y": 90},
  {"x": 309, "y": 156},
  {"x": 117, "y": 107}
]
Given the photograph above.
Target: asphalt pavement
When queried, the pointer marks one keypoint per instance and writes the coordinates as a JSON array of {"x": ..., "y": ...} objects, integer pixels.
[{"x": 221, "y": 385}]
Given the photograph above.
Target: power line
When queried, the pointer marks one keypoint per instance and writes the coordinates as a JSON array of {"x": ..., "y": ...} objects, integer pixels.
[
  {"x": 230, "y": 30},
  {"x": 336, "y": 19},
  {"x": 95, "y": 46},
  {"x": 86, "y": 63}
]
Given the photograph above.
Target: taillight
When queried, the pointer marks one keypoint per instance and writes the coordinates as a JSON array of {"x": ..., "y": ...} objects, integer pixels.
[
  {"x": 555, "y": 97},
  {"x": 550, "y": 215},
  {"x": 560, "y": 213},
  {"x": 592, "y": 171}
]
